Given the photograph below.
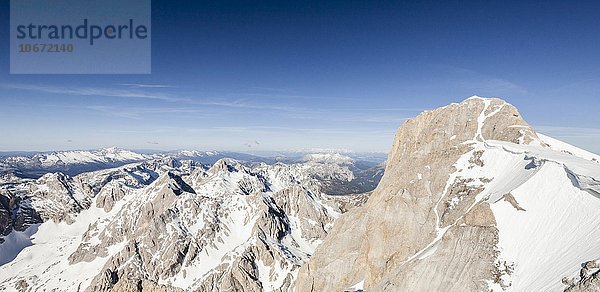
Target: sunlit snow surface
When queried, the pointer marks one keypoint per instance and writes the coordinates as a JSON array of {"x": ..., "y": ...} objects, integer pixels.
[
  {"x": 47, "y": 257},
  {"x": 557, "y": 184},
  {"x": 558, "y": 187},
  {"x": 560, "y": 227},
  {"x": 15, "y": 242}
]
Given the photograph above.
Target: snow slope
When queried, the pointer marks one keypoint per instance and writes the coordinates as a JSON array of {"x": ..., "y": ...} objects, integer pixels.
[
  {"x": 558, "y": 231},
  {"x": 568, "y": 148},
  {"x": 46, "y": 257},
  {"x": 552, "y": 227},
  {"x": 15, "y": 242}
]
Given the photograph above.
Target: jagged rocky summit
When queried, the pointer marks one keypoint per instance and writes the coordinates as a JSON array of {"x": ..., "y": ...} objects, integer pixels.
[
  {"x": 168, "y": 225},
  {"x": 472, "y": 199}
]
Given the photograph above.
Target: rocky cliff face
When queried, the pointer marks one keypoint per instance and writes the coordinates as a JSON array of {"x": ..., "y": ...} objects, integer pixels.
[
  {"x": 51, "y": 197},
  {"x": 229, "y": 228},
  {"x": 430, "y": 225},
  {"x": 169, "y": 225}
]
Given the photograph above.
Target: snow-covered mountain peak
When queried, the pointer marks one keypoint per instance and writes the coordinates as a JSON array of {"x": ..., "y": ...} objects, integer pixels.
[
  {"x": 226, "y": 164},
  {"x": 119, "y": 154},
  {"x": 112, "y": 149},
  {"x": 195, "y": 153},
  {"x": 85, "y": 156},
  {"x": 477, "y": 97},
  {"x": 336, "y": 158},
  {"x": 469, "y": 187}
]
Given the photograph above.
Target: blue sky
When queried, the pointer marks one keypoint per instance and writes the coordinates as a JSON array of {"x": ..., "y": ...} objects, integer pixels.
[{"x": 336, "y": 75}]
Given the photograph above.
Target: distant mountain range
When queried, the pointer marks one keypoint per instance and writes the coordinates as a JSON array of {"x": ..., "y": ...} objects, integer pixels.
[
  {"x": 36, "y": 164},
  {"x": 472, "y": 199}
]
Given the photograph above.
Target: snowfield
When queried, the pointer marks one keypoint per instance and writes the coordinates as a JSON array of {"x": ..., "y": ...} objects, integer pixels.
[{"x": 552, "y": 227}]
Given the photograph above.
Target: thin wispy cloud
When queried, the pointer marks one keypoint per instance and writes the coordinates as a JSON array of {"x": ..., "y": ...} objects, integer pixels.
[
  {"x": 251, "y": 129},
  {"x": 293, "y": 96},
  {"x": 270, "y": 89},
  {"x": 283, "y": 93},
  {"x": 138, "y": 85},
  {"x": 585, "y": 138},
  {"x": 89, "y": 91},
  {"x": 138, "y": 113},
  {"x": 479, "y": 82},
  {"x": 142, "y": 94},
  {"x": 573, "y": 132},
  {"x": 492, "y": 85},
  {"x": 246, "y": 103},
  {"x": 391, "y": 109},
  {"x": 110, "y": 111},
  {"x": 589, "y": 86}
]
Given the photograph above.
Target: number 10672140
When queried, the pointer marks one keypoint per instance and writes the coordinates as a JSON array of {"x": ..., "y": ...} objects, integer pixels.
[{"x": 46, "y": 48}]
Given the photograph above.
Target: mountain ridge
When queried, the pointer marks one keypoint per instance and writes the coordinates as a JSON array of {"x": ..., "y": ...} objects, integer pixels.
[{"x": 435, "y": 220}]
